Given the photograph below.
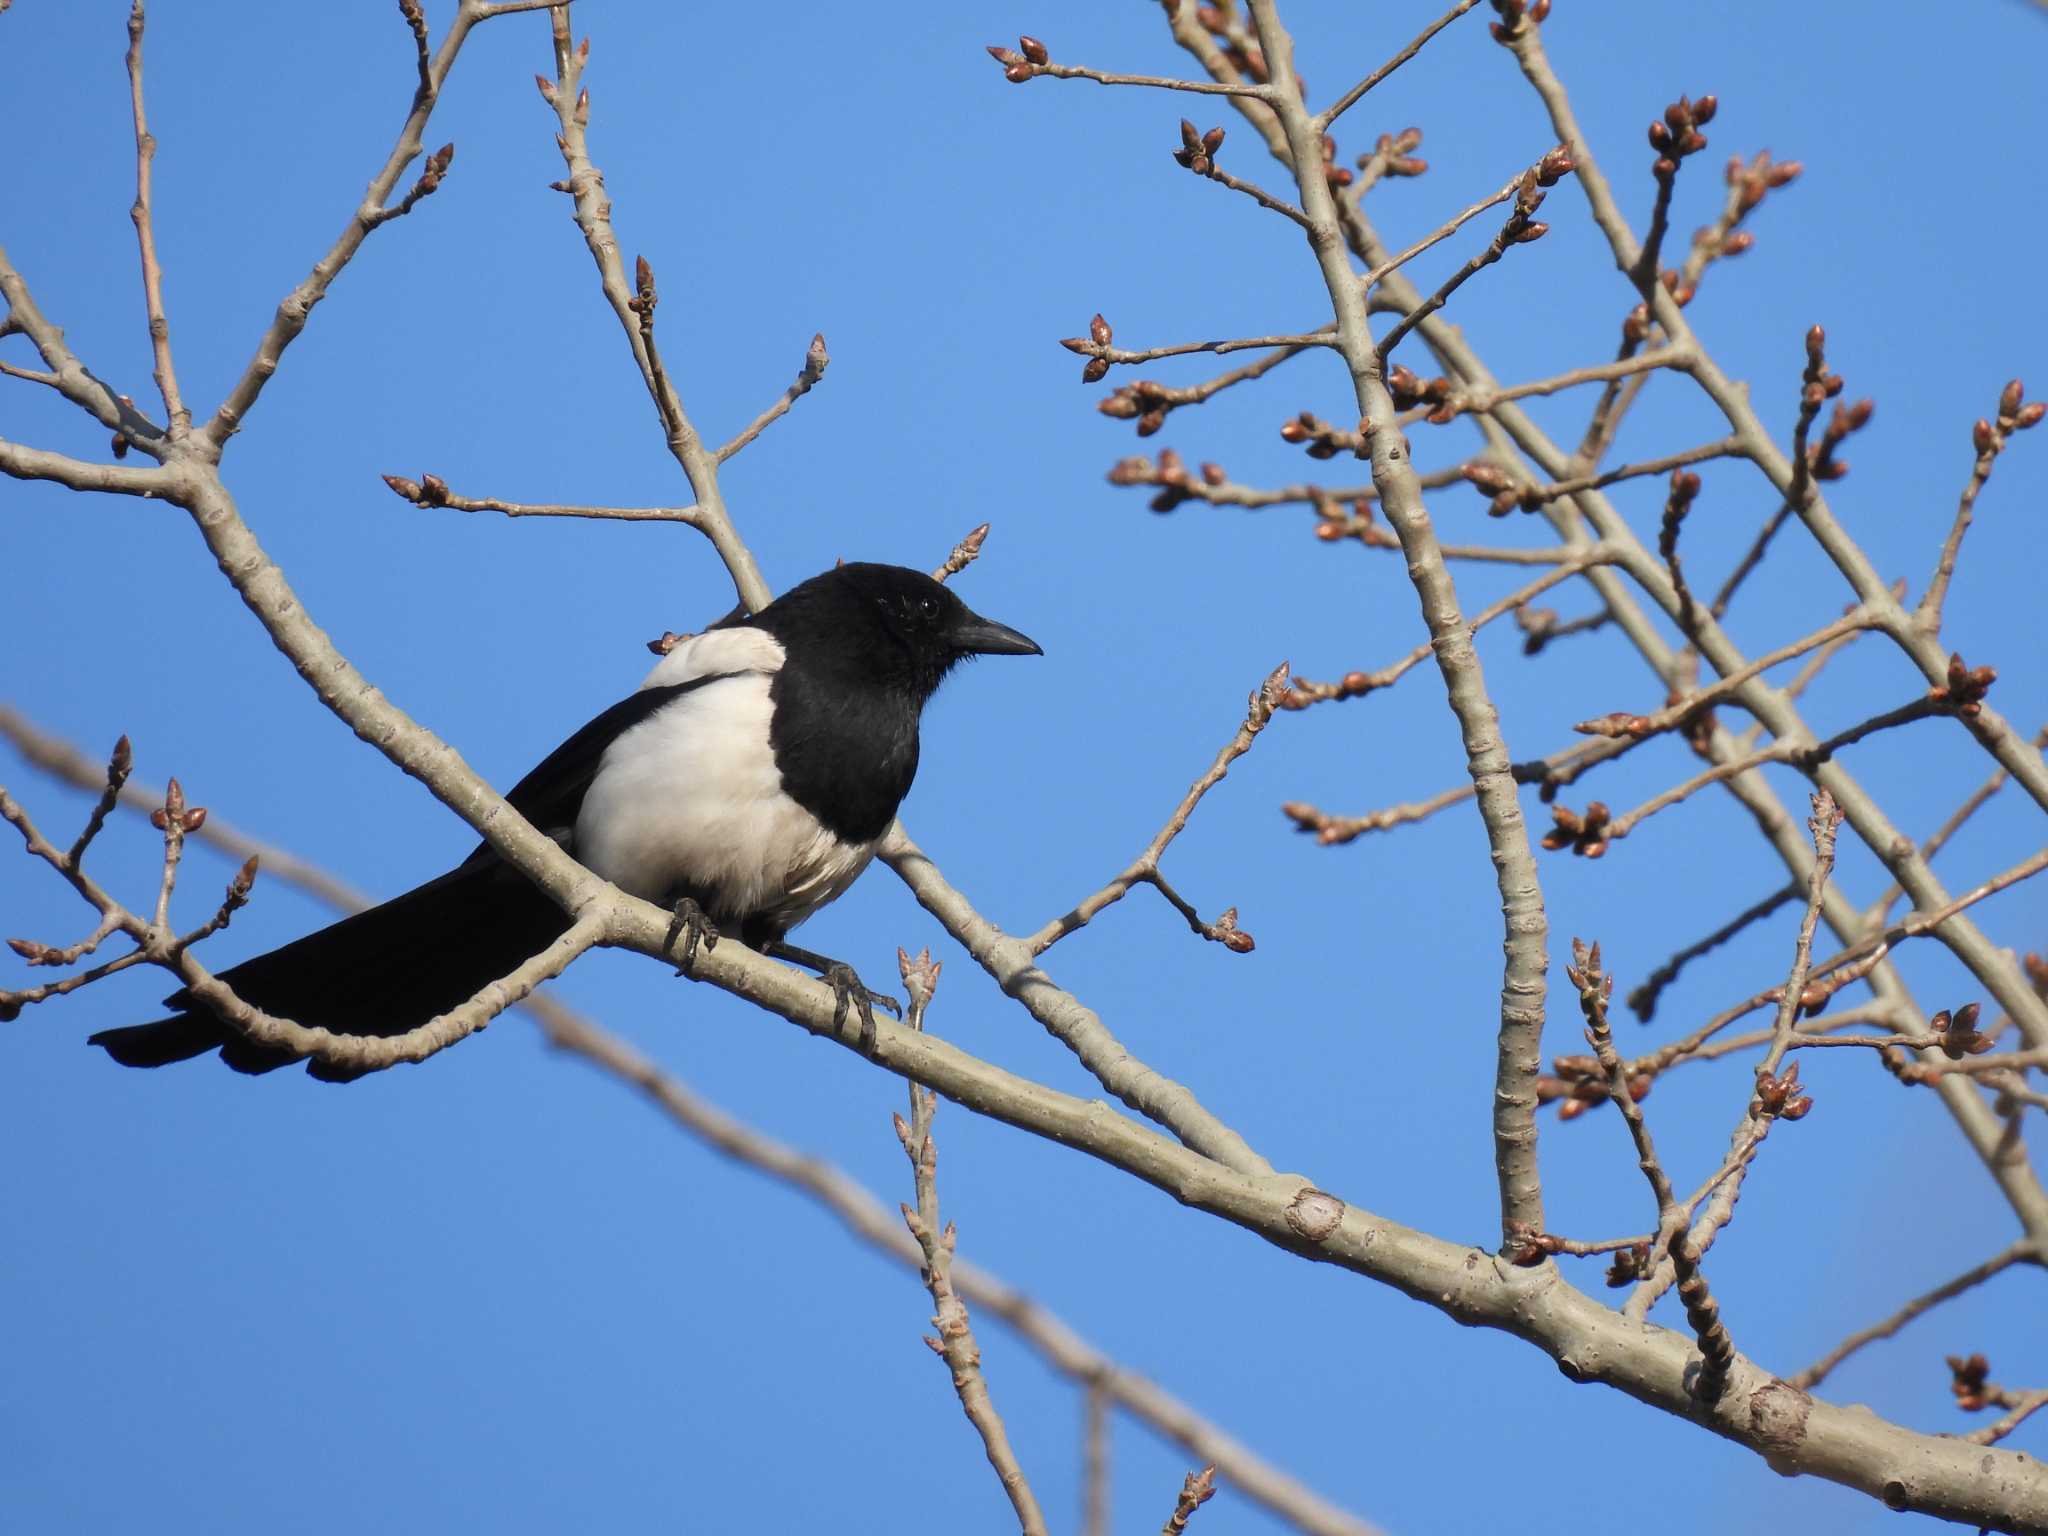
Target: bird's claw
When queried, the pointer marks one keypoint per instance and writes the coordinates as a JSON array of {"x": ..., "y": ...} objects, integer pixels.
[
  {"x": 848, "y": 991},
  {"x": 689, "y": 924}
]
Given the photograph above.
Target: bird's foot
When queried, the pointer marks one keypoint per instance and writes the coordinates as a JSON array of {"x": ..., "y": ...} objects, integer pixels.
[
  {"x": 849, "y": 993},
  {"x": 689, "y": 924}
]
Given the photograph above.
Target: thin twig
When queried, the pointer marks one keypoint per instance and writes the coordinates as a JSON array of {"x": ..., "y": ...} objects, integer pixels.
[
  {"x": 1880, "y": 908},
  {"x": 175, "y": 413},
  {"x": 1095, "y": 1462},
  {"x": 1989, "y": 438},
  {"x": 1350, "y": 98},
  {"x": 593, "y": 213},
  {"x": 432, "y": 491},
  {"x": 1145, "y": 868},
  {"x": 955, "y": 1341},
  {"x": 297, "y": 305},
  {"x": 1261, "y": 196},
  {"x": 1534, "y": 496},
  {"x": 2023, "y": 1405},
  {"x": 1122, "y": 355},
  {"x": 1519, "y": 228},
  {"x": 1775, "y": 1096},
  {"x": 816, "y": 359},
  {"x": 1482, "y": 400},
  {"x": 1301, "y": 693},
  {"x": 1157, "y": 82},
  {"x": 1969, "y": 1279},
  {"x": 1643, "y": 999},
  {"x": 1442, "y": 232}
]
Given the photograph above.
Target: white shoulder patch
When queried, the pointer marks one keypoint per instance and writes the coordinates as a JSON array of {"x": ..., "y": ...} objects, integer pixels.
[{"x": 739, "y": 649}]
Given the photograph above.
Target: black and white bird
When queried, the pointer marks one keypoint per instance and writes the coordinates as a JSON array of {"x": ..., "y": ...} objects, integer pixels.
[{"x": 744, "y": 785}]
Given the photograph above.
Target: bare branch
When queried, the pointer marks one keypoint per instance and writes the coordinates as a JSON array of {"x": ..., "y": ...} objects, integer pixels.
[
  {"x": 1442, "y": 232},
  {"x": 1643, "y": 999},
  {"x": 2023, "y": 1405},
  {"x": 1989, "y": 438},
  {"x": 955, "y": 1341},
  {"x": 1969, "y": 1279},
  {"x": 432, "y": 491},
  {"x": 1088, "y": 347},
  {"x": 32, "y": 375},
  {"x": 175, "y": 413},
  {"x": 1259, "y": 711},
  {"x": 297, "y": 305},
  {"x": 1095, "y": 1463},
  {"x": 1013, "y": 965},
  {"x": 816, "y": 360},
  {"x": 1521, "y": 227},
  {"x": 1483, "y": 400},
  {"x": 1776, "y": 1095},
  {"x": 1938, "y": 840},
  {"x": 25, "y": 463},
  {"x": 1148, "y": 403},
  {"x": 68, "y": 375},
  {"x": 585, "y": 183},
  {"x": 1350, "y": 98},
  {"x": 1019, "y": 68}
]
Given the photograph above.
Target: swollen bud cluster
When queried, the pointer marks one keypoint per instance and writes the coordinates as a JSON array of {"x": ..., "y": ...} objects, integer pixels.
[
  {"x": 1197, "y": 151},
  {"x": 1677, "y": 134},
  {"x": 1021, "y": 65}
]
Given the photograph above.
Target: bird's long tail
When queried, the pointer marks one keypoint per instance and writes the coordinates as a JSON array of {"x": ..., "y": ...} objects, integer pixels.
[{"x": 380, "y": 972}]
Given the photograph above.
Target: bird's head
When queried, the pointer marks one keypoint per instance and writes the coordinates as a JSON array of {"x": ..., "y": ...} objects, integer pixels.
[{"x": 890, "y": 623}]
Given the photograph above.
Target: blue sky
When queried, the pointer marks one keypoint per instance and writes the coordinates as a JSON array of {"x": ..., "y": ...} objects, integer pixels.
[{"x": 497, "y": 1290}]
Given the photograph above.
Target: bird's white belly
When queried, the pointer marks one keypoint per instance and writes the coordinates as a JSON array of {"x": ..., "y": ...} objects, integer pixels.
[{"x": 691, "y": 797}]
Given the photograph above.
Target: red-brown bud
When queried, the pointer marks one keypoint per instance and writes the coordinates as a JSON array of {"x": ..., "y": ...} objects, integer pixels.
[{"x": 1034, "y": 50}]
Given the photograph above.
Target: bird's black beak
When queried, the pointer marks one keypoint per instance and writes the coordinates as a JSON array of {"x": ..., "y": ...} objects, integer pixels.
[{"x": 976, "y": 636}]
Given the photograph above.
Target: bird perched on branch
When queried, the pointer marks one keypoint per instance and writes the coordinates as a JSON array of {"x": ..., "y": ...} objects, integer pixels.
[{"x": 744, "y": 785}]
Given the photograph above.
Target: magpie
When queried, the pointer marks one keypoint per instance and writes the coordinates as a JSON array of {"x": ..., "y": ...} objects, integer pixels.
[{"x": 744, "y": 785}]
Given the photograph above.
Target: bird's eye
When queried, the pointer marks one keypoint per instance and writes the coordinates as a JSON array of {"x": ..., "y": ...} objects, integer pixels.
[{"x": 928, "y": 606}]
